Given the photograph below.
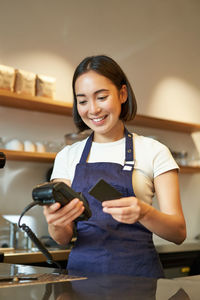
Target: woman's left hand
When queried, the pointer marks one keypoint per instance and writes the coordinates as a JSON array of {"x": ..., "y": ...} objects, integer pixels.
[{"x": 126, "y": 210}]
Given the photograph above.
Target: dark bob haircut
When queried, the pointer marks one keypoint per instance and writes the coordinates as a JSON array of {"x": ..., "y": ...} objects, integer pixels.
[{"x": 108, "y": 68}]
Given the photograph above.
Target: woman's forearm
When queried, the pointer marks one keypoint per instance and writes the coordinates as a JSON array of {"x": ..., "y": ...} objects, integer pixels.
[
  {"x": 169, "y": 227},
  {"x": 61, "y": 235}
]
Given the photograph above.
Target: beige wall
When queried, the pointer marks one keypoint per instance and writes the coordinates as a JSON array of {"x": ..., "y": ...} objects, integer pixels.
[{"x": 157, "y": 44}]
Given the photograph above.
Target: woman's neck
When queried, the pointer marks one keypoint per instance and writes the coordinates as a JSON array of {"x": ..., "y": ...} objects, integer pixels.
[{"x": 113, "y": 135}]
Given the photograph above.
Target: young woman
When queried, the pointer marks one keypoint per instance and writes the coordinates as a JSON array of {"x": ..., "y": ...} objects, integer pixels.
[{"x": 117, "y": 239}]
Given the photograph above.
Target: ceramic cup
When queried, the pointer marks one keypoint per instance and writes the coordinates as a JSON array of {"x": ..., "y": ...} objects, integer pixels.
[
  {"x": 40, "y": 147},
  {"x": 29, "y": 146},
  {"x": 14, "y": 144}
]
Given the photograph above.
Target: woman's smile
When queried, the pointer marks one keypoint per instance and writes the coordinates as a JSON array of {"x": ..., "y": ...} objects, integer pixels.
[{"x": 98, "y": 120}]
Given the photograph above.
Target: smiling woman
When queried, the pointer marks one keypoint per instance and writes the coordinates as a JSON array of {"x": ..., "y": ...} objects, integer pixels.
[
  {"x": 117, "y": 238},
  {"x": 111, "y": 79}
]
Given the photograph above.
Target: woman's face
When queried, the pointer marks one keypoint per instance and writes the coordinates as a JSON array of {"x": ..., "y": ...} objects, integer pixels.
[{"x": 99, "y": 105}]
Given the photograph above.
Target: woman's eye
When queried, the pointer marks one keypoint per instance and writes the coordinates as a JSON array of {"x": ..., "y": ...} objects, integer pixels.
[
  {"x": 82, "y": 102},
  {"x": 102, "y": 97}
]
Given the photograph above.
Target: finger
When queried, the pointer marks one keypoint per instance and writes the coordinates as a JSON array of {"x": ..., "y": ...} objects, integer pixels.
[
  {"x": 76, "y": 208},
  {"x": 117, "y": 211},
  {"x": 123, "y": 202},
  {"x": 66, "y": 213},
  {"x": 71, "y": 204},
  {"x": 48, "y": 209},
  {"x": 68, "y": 218},
  {"x": 126, "y": 220},
  {"x": 123, "y": 218},
  {"x": 125, "y": 211},
  {"x": 75, "y": 215}
]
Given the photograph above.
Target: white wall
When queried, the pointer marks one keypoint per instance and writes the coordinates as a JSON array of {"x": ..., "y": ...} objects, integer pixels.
[{"x": 157, "y": 44}]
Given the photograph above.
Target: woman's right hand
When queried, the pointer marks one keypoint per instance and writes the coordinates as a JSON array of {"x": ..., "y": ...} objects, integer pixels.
[
  {"x": 60, "y": 220},
  {"x": 62, "y": 216}
]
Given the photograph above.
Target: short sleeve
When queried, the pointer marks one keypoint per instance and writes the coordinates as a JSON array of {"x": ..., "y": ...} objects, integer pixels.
[
  {"x": 60, "y": 168},
  {"x": 163, "y": 160}
]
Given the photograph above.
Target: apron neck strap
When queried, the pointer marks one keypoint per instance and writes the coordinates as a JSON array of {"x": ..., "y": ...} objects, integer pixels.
[
  {"x": 129, "y": 155},
  {"x": 86, "y": 149}
]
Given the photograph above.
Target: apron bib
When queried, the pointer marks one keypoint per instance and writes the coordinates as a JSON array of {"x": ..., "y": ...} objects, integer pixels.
[{"x": 104, "y": 245}]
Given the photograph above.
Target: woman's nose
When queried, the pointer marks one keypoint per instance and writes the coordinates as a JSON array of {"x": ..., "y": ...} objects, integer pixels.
[{"x": 94, "y": 108}]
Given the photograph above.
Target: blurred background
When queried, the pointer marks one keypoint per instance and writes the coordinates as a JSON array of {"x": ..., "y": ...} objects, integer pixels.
[{"x": 157, "y": 44}]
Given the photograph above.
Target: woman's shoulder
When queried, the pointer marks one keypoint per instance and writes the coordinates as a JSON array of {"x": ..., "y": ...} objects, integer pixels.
[
  {"x": 150, "y": 150},
  {"x": 72, "y": 150},
  {"x": 66, "y": 161},
  {"x": 77, "y": 146},
  {"x": 154, "y": 155},
  {"x": 148, "y": 142}
]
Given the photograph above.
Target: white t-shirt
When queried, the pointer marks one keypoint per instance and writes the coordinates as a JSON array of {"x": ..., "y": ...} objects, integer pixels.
[{"x": 151, "y": 159}]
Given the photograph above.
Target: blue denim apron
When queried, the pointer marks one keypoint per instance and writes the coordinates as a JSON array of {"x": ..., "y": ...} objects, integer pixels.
[{"x": 104, "y": 245}]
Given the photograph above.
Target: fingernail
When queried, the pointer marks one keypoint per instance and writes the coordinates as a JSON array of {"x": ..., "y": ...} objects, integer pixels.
[
  {"x": 76, "y": 200},
  {"x": 57, "y": 205}
]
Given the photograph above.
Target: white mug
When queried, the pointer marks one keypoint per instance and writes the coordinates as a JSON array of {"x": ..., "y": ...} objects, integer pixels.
[
  {"x": 29, "y": 146},
  {"x": 14, "y": 144},
  {"x": 40, "y": 147}
]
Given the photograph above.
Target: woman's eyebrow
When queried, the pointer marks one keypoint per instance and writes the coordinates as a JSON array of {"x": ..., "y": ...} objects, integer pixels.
[
  {"x": 101, "y": 90},
  {"x": 96, "y": 92},
  {"x": 80, "y": 95}
]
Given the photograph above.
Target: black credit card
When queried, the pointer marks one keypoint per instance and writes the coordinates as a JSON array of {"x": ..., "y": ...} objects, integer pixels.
[{"x": 103, "y": 191}]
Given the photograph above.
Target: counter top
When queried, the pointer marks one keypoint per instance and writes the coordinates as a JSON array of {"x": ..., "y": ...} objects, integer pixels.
[
  {"x": 28, "y": 256},
  {"x": 187, "y": 246},
  {"x": 96, "y": 287}
]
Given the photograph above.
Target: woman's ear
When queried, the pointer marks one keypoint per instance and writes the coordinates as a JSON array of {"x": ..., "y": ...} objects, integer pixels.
[{"x": 123, "y": 93}]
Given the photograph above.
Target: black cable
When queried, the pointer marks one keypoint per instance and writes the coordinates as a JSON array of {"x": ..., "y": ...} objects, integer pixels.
[
  {"x": 29, "y": 206},
  {"x": 2, "y": 159},
  {"x": 34, "y": 239}
]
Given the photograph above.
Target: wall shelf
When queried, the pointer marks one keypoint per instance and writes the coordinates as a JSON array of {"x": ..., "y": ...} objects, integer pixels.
[
  {"x": 165, "y": 124},
  {"x": 189, "y": 170},
  {"x": 48, "y": 157},
  {"x": 45, "y": 157},
  {"x": 41, "y": 104}
]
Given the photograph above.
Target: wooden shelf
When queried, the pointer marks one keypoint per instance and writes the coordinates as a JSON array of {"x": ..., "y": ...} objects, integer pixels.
[
  {"x": 45, "y": 157},
  {"x": 165, "y": 124},
  {"x": 47, "y": 105},
  {"x": 28, "y": 256},
  {"x": 40, "y": 104},
  {"x": 189, "y": 170},
  {"x": 48, "y": 157}
]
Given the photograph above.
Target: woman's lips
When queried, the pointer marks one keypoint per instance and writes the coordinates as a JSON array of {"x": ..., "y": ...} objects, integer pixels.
[{"x": 99, "y": 120}]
